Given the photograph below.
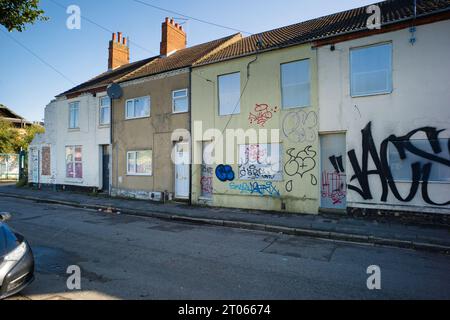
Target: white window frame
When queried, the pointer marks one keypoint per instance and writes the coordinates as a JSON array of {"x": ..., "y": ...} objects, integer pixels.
[
  {"x": 101, "y": 107},
  {"x": 179, "y": 98},
  {"x": 309, "y": 79},
  {"x": 135, "y": 164},
  {"x": 75, "y": 105},
  {"x": 134, "y": 100},
  {"x": 237, "y": 106},
  {"x": 391, "y": 70},
  {"x": 74, "y": 162}
]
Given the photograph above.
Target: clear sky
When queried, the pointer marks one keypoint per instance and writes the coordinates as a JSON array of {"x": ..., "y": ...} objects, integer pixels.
[{"x": 27, "y": 84}]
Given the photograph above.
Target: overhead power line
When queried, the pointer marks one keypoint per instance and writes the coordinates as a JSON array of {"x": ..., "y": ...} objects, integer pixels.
[
  {"x": 38, "y": 57},
  {"x": 131, "y": 42},
  {"x": 190, "y": 17}
]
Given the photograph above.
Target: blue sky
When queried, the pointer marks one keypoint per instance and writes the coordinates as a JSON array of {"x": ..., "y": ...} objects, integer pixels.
[{"x": 27, "y": 85}]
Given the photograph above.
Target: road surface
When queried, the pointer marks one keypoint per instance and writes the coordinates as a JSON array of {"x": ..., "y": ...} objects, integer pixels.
[{"x": 126, "y": 257}]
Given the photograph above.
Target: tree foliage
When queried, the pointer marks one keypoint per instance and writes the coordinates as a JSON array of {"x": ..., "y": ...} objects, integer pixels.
[
  {"x": 12, "y": 140},
  {"x": 15, "y": 14}
]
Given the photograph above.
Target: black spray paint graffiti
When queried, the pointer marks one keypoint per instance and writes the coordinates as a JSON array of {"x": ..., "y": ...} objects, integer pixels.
[
  {"x": 300, "y": 126},
  {"x": 300, "y": 163},
  {"x": 420, "y": 171}
]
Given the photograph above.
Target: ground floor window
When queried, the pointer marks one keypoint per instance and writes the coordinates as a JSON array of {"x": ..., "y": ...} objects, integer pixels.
[
  {"x": 139, "y": 163},
  {"x": 74, "y": 162},
  {"x": 45, "y": 161}
]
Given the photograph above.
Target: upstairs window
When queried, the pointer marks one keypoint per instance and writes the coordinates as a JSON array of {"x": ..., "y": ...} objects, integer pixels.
[
  {"x": 229, "y": 94},
  {"x": 105, "y": 110},
  {"x": 371, "y": 70},
  {"x": 138, "y": 108},
  {"x": 296, "y": 84},
  {"x": 74, "y": 115},
  {"x": 180, "y": 101}
]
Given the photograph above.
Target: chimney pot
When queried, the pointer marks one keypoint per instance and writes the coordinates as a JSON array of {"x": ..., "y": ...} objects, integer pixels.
[
  {"x": 173, "y": 37},
  {"x": 119, "y": 53}
]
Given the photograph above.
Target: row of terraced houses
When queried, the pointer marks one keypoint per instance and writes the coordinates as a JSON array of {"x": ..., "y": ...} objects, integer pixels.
[{"x": 348, "y": 115}]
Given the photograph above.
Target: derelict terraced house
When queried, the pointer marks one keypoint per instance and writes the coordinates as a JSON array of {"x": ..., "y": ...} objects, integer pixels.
[
  {"x": 74, "y": 152},
  {"x": 363, "y": 114},
  {"x": 151, "y": 119}
]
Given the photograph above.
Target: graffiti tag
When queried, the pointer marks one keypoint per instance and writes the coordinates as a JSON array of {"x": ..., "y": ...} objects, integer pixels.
[
  {"x": 421, "y": 171},
  {"x": 300, "y": 126},
  {"x": 301, "y": 163},
  {"x": 262, "y": 114},
  {"x": 255, "y": 188},
  {"x": 225, "y": 173}
]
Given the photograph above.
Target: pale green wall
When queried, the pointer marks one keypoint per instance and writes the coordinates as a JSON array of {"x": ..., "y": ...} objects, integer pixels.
[{"x": 263, "y": 87}]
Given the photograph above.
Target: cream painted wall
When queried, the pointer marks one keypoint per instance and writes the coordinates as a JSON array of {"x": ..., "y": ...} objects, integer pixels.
[
  {"x": 91, "y": 136},
  {"x": 263, "y": 88},
  {"x": 420, "y": 98}
]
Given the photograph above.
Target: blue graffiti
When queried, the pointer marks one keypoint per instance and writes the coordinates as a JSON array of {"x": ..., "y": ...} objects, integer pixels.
[
  {"x": 254, "y": 188},
  {"x": 225, "y": 173}
]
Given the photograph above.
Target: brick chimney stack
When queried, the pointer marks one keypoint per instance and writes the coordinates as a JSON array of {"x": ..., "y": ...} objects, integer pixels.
[
  {"x": 173, "y": 37},
  {"x": 119, "y": 52}
]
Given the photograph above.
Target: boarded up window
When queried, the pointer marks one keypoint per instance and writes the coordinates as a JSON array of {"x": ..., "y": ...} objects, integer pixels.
[{"x": 46, "y": 167}]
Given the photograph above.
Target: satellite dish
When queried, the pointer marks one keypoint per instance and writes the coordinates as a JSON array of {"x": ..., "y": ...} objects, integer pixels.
[{"x": 114, "y": 91}]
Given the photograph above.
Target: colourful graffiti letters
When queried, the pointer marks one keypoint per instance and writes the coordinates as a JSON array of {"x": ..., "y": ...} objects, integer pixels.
[
  {"x": 334, "y": 187},
  {"x": 334, "y": 184},
  {"x": 421, "y": 171},
  {"x": 301, "y": 162},
  {"x": 225, "y": 173},
  {"x": 261, "y": 114},
  {"x": 300, "y": 126},
  {"x": 254, "y": 188}
]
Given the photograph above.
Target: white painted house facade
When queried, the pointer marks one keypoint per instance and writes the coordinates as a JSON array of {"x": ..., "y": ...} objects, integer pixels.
[
  {"x": 385, "y": 120},
  {"x": 78, "y": 139}
]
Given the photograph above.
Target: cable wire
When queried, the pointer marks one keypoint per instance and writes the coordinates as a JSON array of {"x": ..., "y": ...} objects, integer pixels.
[
  {"x": 191, "y": 18},
  {"x": 38, "y": 57}
]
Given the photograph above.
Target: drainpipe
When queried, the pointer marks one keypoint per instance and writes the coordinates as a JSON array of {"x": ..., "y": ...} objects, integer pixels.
[{"x": 190, "y": 131}]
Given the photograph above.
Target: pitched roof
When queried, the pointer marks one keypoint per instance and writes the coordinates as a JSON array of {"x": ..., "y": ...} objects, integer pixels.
[
  {"x": 106, "y": 78},
  {"x": 392, "y": 11},
  {"x": 5, "y": 112},
  {"x": 181, "y": 59}
]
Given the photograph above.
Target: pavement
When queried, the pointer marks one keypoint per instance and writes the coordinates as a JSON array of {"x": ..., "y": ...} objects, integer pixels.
[
  {"x": 132, "y": 257},
  {"x": 330, "y": 226}
]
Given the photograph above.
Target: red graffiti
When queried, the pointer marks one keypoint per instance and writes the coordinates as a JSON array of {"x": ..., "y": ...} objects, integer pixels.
[
  {"x": 255, "y": 153},
  {"x": 262, "y": 114},
  {"x": 334, "y": 186},
  {"x": 206, "y": 185}
]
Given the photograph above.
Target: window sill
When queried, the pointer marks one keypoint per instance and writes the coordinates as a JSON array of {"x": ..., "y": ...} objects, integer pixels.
[
  {"x": 74, "y": 130},
  {"x": 104, "y": 126},
  {"x": 74, "y": 180},
  {"x": 138, "y": 118},
  {"x": 372, "y": 94},
  {"x": 139, "y": 175},
  {"x": 293, "y": 108},
  {"x": 181, "y": 112}
]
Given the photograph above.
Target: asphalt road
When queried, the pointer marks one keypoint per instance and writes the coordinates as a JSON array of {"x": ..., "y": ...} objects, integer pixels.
[{"x": 125, "y": 257}]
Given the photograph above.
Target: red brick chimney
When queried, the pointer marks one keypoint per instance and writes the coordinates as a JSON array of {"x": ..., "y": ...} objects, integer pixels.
[
  {"x": 173, "y": 37},
  {"x": 119, "y": 52}
]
